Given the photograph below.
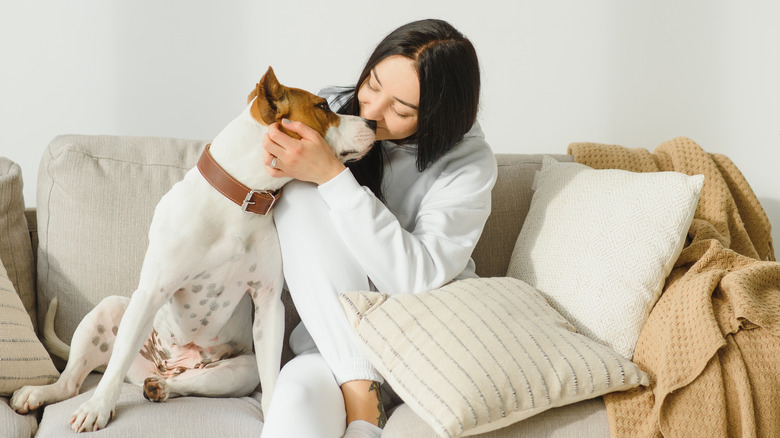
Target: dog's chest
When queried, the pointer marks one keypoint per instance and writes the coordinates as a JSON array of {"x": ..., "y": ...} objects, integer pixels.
[{"x": 209, "y": 301}]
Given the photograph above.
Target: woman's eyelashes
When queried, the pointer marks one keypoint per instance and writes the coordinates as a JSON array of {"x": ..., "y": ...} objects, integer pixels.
[
  {"x": 399, "y": 114},
  {"x": 371, "y": 87},
  {"x": 374, "y": 87}
]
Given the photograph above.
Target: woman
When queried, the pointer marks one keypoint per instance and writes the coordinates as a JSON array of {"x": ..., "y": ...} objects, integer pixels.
[{"x": 404, "y": 219}]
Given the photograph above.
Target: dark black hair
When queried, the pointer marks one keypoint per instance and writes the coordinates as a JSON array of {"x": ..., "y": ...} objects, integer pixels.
[{"x": 447, "y": 65}]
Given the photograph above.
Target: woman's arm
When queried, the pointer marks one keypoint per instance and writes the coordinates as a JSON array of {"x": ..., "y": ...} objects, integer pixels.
[
  {"x": 442, "y": 234},
  {"x": 434, "y": 246}
]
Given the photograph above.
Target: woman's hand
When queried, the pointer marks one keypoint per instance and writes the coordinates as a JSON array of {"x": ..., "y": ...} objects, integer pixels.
[{"x": 308, "y": 159}]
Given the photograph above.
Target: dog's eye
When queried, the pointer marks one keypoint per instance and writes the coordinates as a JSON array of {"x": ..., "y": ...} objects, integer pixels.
[{"x": 323, "y": 106}]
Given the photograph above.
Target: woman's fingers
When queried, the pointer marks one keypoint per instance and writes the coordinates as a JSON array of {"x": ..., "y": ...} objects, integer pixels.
[
  {"x": 273, "y": 150},
  {"x": 304, "y": 131},
  {"x": 278, "y": 140},
  {"x": 308, "y": 158}
]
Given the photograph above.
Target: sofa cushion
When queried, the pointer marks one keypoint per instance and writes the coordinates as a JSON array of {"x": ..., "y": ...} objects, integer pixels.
[
  {"x": 587, "y": 418},
  {"x": 15, "y": 247},
  {"x": 176, "y": 417},
  {"x": 96, "y": 198},
  {"x": 23, "y": 360},
  {"x": 481, "y": 354},
  {"x": 15, "y": 425},
  {"x": 598, "y": 244},
  {"x": 511, "y": 198}
]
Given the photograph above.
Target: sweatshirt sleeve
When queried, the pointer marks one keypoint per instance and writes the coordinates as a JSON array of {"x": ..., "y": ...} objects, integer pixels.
[{"x": 446, "y": 228}]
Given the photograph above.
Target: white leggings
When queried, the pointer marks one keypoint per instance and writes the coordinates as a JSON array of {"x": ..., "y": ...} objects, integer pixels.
[{"x": 307, "y": 401}]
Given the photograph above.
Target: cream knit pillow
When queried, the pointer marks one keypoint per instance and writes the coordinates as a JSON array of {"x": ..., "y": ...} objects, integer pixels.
[
  {"x": 598, "y": 244},
  {"x": 481, "y": 354}
]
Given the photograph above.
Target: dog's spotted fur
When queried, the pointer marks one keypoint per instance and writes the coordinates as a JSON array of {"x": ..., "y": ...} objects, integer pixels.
[{"x": 187, "y": 322}]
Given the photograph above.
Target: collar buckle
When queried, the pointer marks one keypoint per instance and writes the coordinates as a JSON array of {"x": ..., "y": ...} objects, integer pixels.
[{"x": 248, "y": 200}]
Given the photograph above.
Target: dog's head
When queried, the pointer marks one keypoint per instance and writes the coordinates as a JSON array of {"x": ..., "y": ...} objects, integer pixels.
[{"x": 350, "y": 137}]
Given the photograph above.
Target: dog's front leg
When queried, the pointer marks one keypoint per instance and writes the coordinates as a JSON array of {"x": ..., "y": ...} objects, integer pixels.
[
  {"x": 268, "y": 330},
  {"x": 134, "y": 328}
]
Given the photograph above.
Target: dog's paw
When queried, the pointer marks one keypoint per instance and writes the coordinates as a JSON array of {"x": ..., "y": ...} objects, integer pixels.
[
  {"x": 155, "y": 389},
  {"x": 91, "y": 416},
  {"x": 27, "y": 398}
]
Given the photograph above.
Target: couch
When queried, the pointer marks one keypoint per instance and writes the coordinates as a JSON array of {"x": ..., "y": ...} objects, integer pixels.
[{"x": 87, "y": 237}]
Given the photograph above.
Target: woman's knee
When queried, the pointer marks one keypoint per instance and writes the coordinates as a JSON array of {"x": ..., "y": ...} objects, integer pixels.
[
  {"x": 306, "y": 402},
  {"x": 307, "y": 380}
]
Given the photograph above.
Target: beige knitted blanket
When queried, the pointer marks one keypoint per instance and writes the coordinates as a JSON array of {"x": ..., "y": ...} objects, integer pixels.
[{"x": 712, "y": 342}]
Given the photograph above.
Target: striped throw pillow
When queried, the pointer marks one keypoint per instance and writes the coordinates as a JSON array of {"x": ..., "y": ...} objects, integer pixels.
[
  {"x": 481, "y": 354},
  {"x": 23, "y": 360}
]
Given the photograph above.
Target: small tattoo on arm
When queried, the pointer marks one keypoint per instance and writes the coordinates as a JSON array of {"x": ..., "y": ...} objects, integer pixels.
[{"x": 382, "y": 419}]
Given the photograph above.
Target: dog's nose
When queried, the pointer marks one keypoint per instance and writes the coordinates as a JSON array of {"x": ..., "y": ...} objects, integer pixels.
[{"x": 371, "y": 124}]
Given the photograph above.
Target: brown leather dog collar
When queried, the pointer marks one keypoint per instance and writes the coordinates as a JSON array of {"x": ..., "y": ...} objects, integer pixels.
[{"x": 250, "y": 200}]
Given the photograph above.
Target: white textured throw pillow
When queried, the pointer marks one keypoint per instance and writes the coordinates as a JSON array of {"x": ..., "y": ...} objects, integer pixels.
[
  {"x": 481, "y": 354},
  {"x": 599, "y": 244}
]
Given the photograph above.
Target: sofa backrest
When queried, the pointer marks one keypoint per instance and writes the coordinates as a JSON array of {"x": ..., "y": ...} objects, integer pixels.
[
  {"x": 511, "y": 199},
  {"x": 96, "y": 198}
]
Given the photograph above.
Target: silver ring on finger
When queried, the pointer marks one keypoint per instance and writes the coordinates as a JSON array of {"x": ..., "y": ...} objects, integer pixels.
[{"x": 274, "y": 161}]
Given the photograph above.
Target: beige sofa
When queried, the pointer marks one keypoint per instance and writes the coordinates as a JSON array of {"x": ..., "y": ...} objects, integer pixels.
[{"x": 96, "y": 196}]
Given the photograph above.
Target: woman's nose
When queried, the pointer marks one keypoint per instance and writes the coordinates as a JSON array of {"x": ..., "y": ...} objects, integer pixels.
[{"x": 372, "y": 110}]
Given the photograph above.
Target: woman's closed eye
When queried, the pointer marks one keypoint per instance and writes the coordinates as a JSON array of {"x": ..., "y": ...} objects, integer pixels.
[{"x": 400, "y": 114}]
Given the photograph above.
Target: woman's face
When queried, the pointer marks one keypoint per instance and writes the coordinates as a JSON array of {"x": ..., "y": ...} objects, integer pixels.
[{"x": 390, "y": 95}]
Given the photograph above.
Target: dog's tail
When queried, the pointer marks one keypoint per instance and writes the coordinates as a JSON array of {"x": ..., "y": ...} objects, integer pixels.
[{"x": 53, "y": 343}]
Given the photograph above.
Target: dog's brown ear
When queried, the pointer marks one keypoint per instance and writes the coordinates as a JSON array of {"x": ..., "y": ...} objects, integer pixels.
[
  {"x": 252, "y": 94},
  {"x": 271, "y": 103}
]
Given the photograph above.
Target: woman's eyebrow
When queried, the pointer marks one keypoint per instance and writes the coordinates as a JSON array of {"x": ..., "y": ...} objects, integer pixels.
[{"x": 373, "y": 70}]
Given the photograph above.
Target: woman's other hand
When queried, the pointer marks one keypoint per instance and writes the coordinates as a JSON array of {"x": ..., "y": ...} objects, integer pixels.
[{"x": 307, "y": 159}]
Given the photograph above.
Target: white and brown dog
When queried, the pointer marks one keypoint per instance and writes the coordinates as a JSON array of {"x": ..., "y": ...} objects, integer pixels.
[{"x": 212, "y": 247}]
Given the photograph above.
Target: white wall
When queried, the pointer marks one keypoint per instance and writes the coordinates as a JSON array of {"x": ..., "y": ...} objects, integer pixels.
[{"x": 634, "y": 73}]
